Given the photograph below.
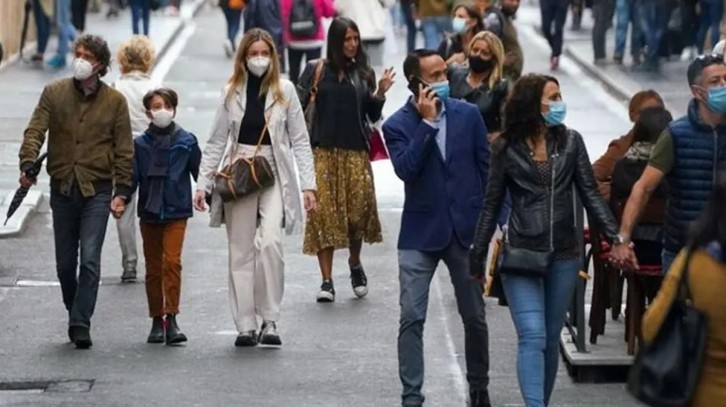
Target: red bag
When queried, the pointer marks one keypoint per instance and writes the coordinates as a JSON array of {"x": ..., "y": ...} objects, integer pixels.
[{"x": 377, "y": 146}]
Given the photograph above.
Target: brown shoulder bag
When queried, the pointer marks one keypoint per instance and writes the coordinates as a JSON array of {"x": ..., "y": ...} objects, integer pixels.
[
  {"x": 244, "y": 176},
  {"x": 310, "y": 109}
]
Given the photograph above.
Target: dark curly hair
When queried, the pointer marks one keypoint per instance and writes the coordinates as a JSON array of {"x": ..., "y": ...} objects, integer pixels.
[
  {"x": 98, "y": 47},
  {"x": 522, "y": 111}
]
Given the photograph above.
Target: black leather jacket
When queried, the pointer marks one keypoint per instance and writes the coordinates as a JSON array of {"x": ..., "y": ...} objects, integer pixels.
[{"x": 512, "y": 168}]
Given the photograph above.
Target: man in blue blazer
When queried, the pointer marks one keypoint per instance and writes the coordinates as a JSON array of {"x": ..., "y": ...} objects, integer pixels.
[{"x": 438, "y": 147}]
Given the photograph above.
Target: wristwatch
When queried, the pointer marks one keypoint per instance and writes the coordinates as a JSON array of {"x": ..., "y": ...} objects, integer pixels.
[{"x": 620, "y": 239}]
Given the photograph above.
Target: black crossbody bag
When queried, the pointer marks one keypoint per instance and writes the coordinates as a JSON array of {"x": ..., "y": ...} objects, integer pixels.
[{"x": 528, "y": 262}]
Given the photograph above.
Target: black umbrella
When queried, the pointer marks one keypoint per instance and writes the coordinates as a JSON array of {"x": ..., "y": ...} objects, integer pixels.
[
  {"x": 20, "y": 194},
  {"x": 24, "y": 33}
]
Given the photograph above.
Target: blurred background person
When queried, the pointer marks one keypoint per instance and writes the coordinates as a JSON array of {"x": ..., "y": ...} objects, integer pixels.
[
  {"x": 304, "y": 31},
  {"x": 466, "y": 22},
  {"x": 42, "y": 13},
  {"x": 140, "y": 12}
]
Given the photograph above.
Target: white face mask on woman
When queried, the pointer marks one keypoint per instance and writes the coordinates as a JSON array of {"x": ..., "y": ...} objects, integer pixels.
[
  {"x": 162, "y": 118},
  {"x": 258, "y": 65}
]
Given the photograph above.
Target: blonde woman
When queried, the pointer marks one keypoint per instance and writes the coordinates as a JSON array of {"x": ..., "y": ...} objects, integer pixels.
[
  {"x": 135, "y": 57},
  {"x": 479, "y": 80},
  {"x": 258, "y": 103}
]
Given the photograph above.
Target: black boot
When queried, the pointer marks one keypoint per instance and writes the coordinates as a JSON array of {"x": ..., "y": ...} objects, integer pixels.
[
  {"x": 479, "y": 398},
  {"x": 173, "y": 334},
  {"x": 157, "y": 334},
  {"x": 81, "y": 337}
]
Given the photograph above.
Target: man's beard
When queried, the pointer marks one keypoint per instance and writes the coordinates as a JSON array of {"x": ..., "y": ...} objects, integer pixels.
[{"x": 509, "y": 12}]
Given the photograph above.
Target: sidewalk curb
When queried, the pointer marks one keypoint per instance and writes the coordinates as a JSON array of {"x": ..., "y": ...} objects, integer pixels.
[
  {"x": 16, "y": 225},
  {"x": 616, "y": 90}
]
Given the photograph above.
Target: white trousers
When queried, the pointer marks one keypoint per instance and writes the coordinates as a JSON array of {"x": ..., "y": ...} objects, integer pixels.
[
  {"x": 256, "y": 265},
  {"x": 126, "y": 227}
]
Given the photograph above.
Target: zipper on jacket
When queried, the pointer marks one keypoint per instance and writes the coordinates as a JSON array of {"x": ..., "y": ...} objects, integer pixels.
[{"x": 714, "y": 170}]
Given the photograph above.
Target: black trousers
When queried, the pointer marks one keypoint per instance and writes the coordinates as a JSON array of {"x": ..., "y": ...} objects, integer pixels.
[
  {"x": 603, "y": 10},
  {"x": 296, "y": 56},
  {"x": 78, "y": 14}
]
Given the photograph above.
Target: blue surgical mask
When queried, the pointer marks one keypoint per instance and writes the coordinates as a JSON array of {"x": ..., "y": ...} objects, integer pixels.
[
  {"x": 556, "y": 115},
  {"x": 458, "y": 24},
  {"x": 441, "y": 89},
  {"x": 717, "y": 99}
]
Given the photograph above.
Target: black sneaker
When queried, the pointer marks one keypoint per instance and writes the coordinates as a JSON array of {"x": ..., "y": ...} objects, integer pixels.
[
  {"x": 128, "y": 276},
  {"x": 359, "y": 281},
  {"x": 327, "y": 292},
  {"x": 248, "y": 338}
]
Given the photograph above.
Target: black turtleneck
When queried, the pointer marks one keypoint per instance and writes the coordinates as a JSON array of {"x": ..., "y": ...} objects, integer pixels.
[{"x": 254, "y": 119}]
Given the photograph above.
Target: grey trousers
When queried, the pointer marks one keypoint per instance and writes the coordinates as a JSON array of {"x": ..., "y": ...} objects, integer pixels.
[
  {"x": 416, "y": 269},
  {"x": 126, "y": 227}
]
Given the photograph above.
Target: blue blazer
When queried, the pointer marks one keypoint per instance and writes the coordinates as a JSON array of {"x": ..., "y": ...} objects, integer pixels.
[{"x": 444, "y": 195}]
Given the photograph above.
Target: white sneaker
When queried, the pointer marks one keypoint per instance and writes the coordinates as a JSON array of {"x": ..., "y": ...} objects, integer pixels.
[
  {"x": 269, "y": 334},
  {"x": 228, "y": 48},
  {"x": 688, "y": 54}
]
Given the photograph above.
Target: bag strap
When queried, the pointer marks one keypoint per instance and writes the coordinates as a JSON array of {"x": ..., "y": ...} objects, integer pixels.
[
  {"x": 233, "y": 149},
  {"x": 684, "y": 291},
  {"x": 552, "y": 203},
  {"x": 316, "y": 80}
]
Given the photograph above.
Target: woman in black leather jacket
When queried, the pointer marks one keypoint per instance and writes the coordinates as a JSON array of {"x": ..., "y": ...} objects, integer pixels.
[
  {"x": 480, "y": 81},
  {"x": 536, "y": 155}
]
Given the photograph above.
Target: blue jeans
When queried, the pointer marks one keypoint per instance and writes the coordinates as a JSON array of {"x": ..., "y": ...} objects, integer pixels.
[
  {"x": 538, "y": 307},
  {"x": 554, "y": 14},
  {"x": 653, "y": 17},
  {"x": 234, "y": 18},
  {"x": 711, "y": 13},
  {"x": 411, "y": 32},
  {"x": 433, "y": 30},
  {"x": 42, "y": 27},
  {"x": 66, "y": 31},
  {"x": 626, "y": 14},
  {"x": 667, "y": 258},
  {"x": 416, "y": 269},
  {"x": 79, "y": 222},
  {"x": 140, "y": 10}
]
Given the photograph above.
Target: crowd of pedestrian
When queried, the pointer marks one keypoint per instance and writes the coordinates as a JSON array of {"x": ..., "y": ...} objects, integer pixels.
[{"x": 478, "y": 145}]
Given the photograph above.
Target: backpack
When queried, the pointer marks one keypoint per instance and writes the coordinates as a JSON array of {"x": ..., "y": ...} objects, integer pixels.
[{"x": 304, "y": 20}]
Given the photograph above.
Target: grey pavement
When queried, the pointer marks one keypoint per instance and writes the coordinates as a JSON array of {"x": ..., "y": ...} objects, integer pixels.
[
  {"x": 333, "y": 354},
  {"x": 22, "y": 83},
  {"x": 621, "y": 80}
]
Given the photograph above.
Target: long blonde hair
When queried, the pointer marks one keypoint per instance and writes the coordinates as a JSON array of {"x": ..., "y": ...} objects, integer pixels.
[
  {"x": 497, "y": 50},
  {"x": 272, "y": 78}
]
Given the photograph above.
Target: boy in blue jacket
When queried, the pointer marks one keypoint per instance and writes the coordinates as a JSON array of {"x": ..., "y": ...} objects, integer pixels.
[{"x": 166, "y": 157}]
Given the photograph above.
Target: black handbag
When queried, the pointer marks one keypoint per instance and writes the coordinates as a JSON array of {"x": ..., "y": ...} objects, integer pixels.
[
  {"x": 665, "y": 372},
  {"x": 527, "y": 262}
]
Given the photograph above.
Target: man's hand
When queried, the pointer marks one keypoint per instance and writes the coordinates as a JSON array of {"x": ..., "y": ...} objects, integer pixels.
[
  {"x": 199, "y": 201},
  {"x": 623, "y": 256},
  {"x": 118, "y": 206},
  {"x": 25, "y": 181},
  {"x": 476, "y": 264},
  {"x": 426, "y": 103},
  {"x": 310, "y": 201}
]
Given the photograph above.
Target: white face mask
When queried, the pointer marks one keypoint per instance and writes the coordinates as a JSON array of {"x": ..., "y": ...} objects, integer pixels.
[
  {"x": 258, "y": 65},
  {"x": 162, "y": 118},
  {"x": 82, "y": 69}
]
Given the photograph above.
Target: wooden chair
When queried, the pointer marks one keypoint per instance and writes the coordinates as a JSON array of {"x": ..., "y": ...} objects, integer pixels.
[{"x": 646, "y": 279}]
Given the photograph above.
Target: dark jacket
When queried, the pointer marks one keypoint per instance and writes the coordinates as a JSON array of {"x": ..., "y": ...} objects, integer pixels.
[
  {"x": 489, "y": 101},
  {"x": 444, "y": 195},
  {"x": 699, "y": 152},
  {"x": 513, "y": 170},
  {"x": 367, "y": 107},
  {"x": 175, "y": 189},
  {"x": 626, "y": 173},
  {"x": 265, "y": 14}
]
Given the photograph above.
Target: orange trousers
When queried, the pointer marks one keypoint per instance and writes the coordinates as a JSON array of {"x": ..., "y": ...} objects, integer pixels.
[{"x": 162, "y": 251}]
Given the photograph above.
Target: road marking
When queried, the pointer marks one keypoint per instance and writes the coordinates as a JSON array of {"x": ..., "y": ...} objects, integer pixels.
[
  {"x": 227, "y": 333},
  {"x": 454, "y": 367},
  {"x": 37, "y": 283},
  {"x": 172, "y": 54}
]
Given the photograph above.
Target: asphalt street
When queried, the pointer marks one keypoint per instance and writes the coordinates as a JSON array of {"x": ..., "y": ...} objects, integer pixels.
[{"x": 341, "y": 354}]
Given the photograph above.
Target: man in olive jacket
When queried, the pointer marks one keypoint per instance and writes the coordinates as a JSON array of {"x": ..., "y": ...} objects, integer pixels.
[{"x": 90, "y": 152}]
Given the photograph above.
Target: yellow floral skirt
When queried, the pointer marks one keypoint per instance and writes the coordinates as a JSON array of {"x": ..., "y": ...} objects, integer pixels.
[{"x": 347, "y": 208}]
